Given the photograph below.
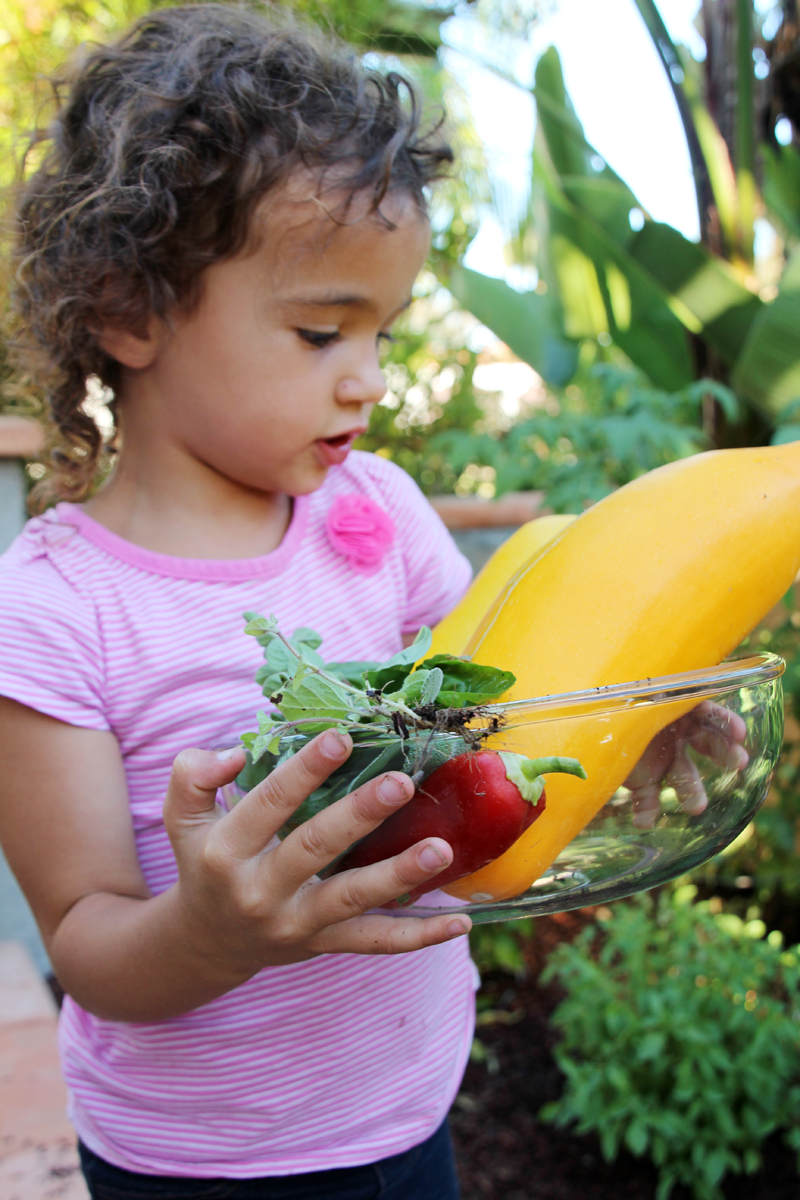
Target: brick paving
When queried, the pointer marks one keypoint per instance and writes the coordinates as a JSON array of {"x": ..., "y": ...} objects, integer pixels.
[{"x": 38, "y": 1159}]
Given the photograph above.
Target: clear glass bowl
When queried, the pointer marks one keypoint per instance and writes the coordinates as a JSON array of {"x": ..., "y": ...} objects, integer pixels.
[{"x": 641, "y": 835}]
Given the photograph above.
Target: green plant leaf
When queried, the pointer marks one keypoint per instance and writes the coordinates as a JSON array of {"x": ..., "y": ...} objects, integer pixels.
[
  {"x": 530, "y": 324},
  {"x": 589, "y": 228},
  {"x": 432, "y": 686},
  {"x": 422, "y": 754},
  {"x": 646, "y": 288},
  {"x": 414, "y": 688},
  {"x": 310, "y": 696},
  {"x": 784, "y": 434},
  {"x": 394, "y": 672},
  {"x": 768, "y": 368},
  {"x": 637, "y": 1137},
  {"x": 266, "y": 740},
  {"x": 350, "y": 672},
  {"x": 723, "y": 309},
  {"x": 781, "y": 188},
  {"x": 467, "y": 683}
]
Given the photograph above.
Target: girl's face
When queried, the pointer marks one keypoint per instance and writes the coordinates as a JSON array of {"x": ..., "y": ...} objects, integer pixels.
[{"x": 273, "y": 374}]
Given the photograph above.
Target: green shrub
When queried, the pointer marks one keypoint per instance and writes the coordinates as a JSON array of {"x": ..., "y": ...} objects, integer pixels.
[
  {"x": 681, "y": 1039},
  {"x": 500, "y": 946}
]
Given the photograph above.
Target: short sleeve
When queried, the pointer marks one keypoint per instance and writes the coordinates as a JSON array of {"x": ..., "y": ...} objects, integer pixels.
[
  {"x": 50, "y": 650},
  {"x": 437, "y": 573}
]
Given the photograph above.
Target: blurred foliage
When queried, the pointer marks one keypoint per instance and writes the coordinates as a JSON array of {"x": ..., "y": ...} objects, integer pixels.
[
  {"x": 400, "y": 27},
  {"x": 36, "y": 38},
  {"x": 764, "y": 858},
  {"x": 606, "y": 271},
  {"x": 609, "y": 426},
  {"x": 689, "y": 1051},
  {"x": 501, "y": 946}
]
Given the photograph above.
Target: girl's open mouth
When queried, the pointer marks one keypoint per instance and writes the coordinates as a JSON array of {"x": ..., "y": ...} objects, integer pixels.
[{"x": 335, "y": 450}]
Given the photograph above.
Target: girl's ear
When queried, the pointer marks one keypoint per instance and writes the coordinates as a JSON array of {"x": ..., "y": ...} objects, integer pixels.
[{"x": 134, "y": 350}]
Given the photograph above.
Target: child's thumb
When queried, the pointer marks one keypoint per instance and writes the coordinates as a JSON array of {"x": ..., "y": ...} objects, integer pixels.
[{"x": 196, "y": 776}]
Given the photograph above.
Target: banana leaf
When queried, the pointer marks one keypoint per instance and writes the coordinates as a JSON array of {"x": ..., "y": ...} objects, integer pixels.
[
  {"x": 782, "y": 186},
  {"x": 655, "y": 285},
  {"x": 722, "y": 308},
  {"x": 527, "y": 322},
  {"x": 640, "y": 319},
  {"x": 768, "y": 369}
]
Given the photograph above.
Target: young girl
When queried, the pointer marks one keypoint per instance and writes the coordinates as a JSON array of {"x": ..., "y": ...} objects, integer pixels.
[{"x": 230, "y": 218}]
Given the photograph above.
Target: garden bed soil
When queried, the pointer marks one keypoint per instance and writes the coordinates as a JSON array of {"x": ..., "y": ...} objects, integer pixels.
[{"x": 504, "y": 1152}]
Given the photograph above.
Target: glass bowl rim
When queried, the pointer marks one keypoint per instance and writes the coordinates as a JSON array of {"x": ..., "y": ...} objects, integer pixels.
[{"x": 751, "y": 670}]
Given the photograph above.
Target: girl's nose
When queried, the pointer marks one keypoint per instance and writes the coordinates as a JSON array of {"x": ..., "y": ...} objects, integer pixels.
[{"x": 362, "y": 385}]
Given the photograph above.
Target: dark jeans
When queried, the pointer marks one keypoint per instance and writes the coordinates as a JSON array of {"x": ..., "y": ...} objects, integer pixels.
[{"x": 426, "y": 1172}]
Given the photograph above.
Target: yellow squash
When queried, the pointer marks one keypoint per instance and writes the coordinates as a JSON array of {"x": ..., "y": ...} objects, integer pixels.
[
  {"x": 452, "y": 634},
  {"x": 665, "y": 575}
]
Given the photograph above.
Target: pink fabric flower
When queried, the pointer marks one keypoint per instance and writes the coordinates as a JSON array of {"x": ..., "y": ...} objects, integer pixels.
[{"x": 360, "y": 531}]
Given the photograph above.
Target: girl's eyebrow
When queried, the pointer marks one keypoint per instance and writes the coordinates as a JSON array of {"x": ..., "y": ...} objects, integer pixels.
[{"x": 340, "y": 300}]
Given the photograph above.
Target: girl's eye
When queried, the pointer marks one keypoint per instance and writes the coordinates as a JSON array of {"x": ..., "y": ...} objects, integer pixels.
[
  {"x": 387, "y": 339},
  {"x": 317, "y": 339}
]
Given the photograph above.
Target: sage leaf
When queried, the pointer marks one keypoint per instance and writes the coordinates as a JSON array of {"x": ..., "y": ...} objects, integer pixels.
[
  {"x": 309, "y": 694},
  {"x": 412, "y": 689},
  {"x": 432, "y": 686}
]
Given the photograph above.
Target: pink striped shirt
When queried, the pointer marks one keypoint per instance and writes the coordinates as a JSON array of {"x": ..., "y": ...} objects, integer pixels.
[{"x": 330, "y": 1063}]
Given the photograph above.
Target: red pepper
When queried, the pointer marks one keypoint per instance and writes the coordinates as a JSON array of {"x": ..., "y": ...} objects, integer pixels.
[{"x": 479, "y": 802}]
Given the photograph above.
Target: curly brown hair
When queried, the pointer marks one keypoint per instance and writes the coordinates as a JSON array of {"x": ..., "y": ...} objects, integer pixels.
[{"x": 164, "y": 143}]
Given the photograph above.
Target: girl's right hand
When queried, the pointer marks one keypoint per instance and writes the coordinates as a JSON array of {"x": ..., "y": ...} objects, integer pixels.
[{"x": 247, "y": 902}]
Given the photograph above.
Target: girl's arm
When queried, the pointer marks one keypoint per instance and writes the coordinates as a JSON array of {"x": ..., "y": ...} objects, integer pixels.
[{"x": 126, "y": 955}]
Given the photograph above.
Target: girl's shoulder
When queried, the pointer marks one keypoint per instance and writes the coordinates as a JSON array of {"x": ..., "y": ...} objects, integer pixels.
[
  {"x": 35, "y": 564},
  {"x": 53, "y": 654}
]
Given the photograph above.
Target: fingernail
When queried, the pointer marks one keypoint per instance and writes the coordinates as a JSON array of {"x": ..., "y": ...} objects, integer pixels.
[
  {"x": 226, "y": 755},
  {"x": 456, "y": 929},
  {"x": 333, "y": 744},
  {"x": 431, "y": 859},
  {"x": 392, "y": 791}
]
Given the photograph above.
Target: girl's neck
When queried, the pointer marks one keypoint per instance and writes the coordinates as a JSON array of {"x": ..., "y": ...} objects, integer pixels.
[{"x": 186, "y": 509}]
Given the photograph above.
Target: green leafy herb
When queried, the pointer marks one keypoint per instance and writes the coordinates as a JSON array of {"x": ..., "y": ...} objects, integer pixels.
[
  {"x": 316, "y": 699},
  {"x": 396, "y": 715},
  {"x": 392, "y": 674},
  {"x": 689, "y": 1051},
  {"x": 467, "y": 683}
]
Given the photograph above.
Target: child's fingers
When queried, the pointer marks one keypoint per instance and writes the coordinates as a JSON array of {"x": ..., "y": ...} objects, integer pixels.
[
  {"x": 192, "y": 790},
  {"x": 258, "y": 816},
  {"x": 646, "y": 805},
  {"x": 372, "y": 934},
  {"x": 718, "y": 734},
  {"x": 722, "y": 749},
  {"x": 685, "y": 778},
  {"x": 355, "y": 892},
  {"x": 316, "y": 843}
]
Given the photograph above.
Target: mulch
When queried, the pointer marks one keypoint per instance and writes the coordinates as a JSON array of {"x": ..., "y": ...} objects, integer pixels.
[{"x": 504, "y": 1152}]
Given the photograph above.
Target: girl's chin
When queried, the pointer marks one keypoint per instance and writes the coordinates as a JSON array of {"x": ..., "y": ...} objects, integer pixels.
[
  {"x": 296, "y": 478},
  {"x": 304, "y": 480}
]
